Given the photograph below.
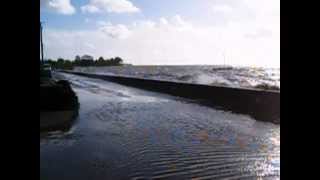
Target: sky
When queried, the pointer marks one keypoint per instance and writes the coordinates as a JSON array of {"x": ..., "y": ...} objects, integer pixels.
[{"x": 165, "y": 32}]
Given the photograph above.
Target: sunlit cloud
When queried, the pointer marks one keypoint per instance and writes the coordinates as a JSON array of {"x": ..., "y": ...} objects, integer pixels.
[
  {"x": 237, "y": 32},
  {"x": 109, "y": 6},
  {"x": 171, "y": 40},
  {"x": 58, "y": 6}
]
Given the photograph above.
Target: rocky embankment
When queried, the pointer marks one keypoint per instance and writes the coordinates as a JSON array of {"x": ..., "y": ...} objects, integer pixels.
[{"x": 58, "y": 105}]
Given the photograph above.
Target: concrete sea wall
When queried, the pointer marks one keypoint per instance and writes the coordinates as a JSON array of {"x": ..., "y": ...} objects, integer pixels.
[{"x": 262, "y": 105}]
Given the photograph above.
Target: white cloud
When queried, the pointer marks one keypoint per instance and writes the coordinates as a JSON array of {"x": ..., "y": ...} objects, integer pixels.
[
  {"x": 178, "y": 21},
  {"x": 259, "y": 33},
  {"x": 143, "y": 24},
  {"x": 89, "y": 45},
  {"x": 110, "y": 6},
  {"x": 89, "y": 9},
  {"x": 221, "y": 8},
  {"x": 119, "y": 31},
  {"x": 163, "y": 21},
  {"x": 230, "y": 11},
  {"x": 166, "y": 42},
  {"x": 58, "y": 6}
]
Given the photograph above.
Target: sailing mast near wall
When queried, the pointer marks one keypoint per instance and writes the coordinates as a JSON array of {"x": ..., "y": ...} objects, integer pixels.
[
  {"x": 224, "y": 58},
  {"x": 41, "y": 43}
]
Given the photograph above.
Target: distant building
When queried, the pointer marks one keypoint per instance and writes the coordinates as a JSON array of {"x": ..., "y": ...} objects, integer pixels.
[{"x": 86, "y": 57}]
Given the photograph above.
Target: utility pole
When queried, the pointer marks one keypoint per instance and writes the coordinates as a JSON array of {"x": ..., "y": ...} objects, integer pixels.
[{"x": 41, "y": 44}]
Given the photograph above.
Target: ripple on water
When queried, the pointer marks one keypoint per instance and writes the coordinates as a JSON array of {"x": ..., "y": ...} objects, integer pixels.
[
  {"x": 177, "y": 148},
  {"x": 161, "y": 138}
]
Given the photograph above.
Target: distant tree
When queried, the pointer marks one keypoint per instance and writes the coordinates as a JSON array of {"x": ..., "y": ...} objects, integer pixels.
[
  {"x": 59, "y": 63},
  {"x": 111, "y": 62},
  {"x": 67, "y": 65},
  {"x": 77, "y": 58},
  {"x": 51, "y": 62},
  {"x": 100, "y": 58},
  {"x": 100, "y": 62},
  {"x": 118, "y": 61},
  {"x": 79, "y": 61}
]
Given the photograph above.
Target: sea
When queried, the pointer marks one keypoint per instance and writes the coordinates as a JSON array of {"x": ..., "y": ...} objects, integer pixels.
[{"x": 231, "y": 76}]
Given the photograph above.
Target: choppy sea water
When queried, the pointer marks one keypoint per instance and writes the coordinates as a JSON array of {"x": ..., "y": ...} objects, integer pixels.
[{"x": 246, "y": 77}]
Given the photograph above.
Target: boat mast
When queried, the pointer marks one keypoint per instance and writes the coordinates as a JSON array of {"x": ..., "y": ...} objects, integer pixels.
[{"x": 224, "y": 57}]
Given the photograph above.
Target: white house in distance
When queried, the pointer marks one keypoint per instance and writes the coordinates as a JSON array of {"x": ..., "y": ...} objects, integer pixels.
[{"x": 86, "y": 57}]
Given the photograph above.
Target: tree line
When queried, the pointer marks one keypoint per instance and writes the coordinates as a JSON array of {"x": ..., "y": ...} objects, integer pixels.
[{"x": 61, "y": 63}]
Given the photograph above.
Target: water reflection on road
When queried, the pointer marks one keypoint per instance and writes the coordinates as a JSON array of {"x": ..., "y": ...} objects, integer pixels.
[{"x": 127, "y": 133}]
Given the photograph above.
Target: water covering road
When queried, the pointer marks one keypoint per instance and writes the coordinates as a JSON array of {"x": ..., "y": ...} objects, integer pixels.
[{"x": 128, "y": 133}]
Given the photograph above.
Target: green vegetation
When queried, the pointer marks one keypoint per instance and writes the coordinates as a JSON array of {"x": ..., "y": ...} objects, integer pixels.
[{"x": 69, "y": 65}]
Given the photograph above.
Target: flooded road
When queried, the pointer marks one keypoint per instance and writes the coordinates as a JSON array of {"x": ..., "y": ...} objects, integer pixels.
[{"x": 128, "y": 133}]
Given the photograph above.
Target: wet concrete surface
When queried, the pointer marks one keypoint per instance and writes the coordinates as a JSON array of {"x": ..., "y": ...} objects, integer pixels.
[{"x": 127, "y": 133}]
